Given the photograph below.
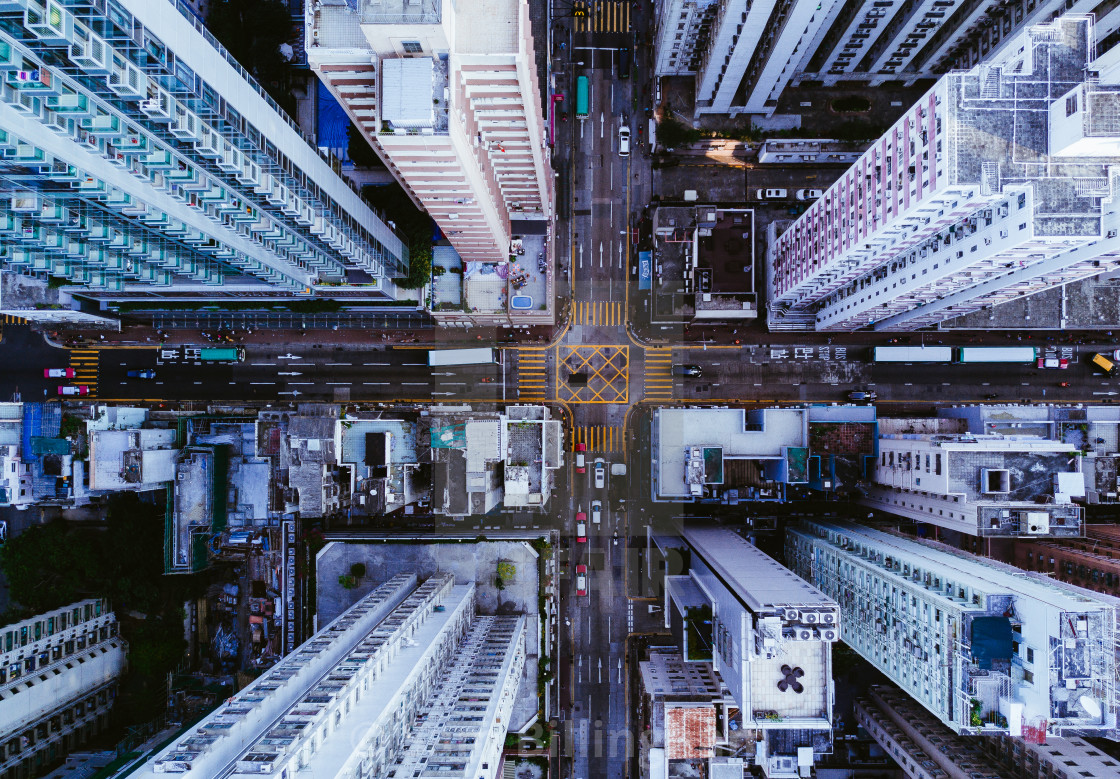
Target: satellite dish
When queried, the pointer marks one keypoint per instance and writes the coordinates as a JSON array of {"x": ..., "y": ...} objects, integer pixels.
[{"x": 1091, "y": 706}]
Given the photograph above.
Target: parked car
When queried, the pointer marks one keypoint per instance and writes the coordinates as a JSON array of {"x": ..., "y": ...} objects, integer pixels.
[
  {"x": 808, "y": 194},
  {"x": 581, "y": 527},
  {"x": 3, "y": 530},
  {"x": 581, "y": 580},
  {"x": 862, "y": 395},
  {"x": 596, "y": 512},
  {"x": 58, "y": 373},
  {"x": 143, "y": 373},
  {"x": 772, "y": 194},
  {"x": 581, "y": 458},
  {"x": 600, "y": 473},
  {"x": 623, "y": 141},
  {"x": 1053, "y": 362},
  {"x": 73, "y": 389},
  {"x": 694, "y": 371},
  {"x": 624, "y": 62}
]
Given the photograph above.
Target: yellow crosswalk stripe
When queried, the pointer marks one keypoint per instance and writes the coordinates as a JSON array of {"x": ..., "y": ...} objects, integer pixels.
[
  {"x": 597, "y": 438},
  {"x": 13, "y": 320},
  {"x": 600, "y": 313}
]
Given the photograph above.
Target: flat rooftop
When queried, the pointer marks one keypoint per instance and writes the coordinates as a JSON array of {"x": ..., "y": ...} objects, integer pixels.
[
  {"x": 759, "y": 580},
  {"x": 741, "y": 434}
]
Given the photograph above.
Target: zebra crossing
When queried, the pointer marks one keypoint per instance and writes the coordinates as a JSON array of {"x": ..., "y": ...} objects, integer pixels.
[
  {"x": 658, "y": 374},
  {"x": 85, "y": 363},
  {"x": 532, "y": 375},
  {"x": 602, "y": 17},
  {"x": 603, "y": 313},
  {"x": 598, "y": 438}
]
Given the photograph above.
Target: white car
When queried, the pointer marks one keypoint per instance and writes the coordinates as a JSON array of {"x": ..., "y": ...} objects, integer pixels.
[
  {"x": 623, "y": 141},
  {"x": 596, "y": 511},
  {"x": 600, "y": 474},
  {"x": 772, "y": 194},
  {"x": 809, "y": 194}
]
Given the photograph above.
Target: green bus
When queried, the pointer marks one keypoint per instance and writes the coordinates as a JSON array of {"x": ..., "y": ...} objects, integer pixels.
[
  {"x": 230, "y": 354},
  {"x": 581, "y": 97}
]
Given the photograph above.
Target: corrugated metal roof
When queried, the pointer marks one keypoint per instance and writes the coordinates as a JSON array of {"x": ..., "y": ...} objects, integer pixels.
[{"x": 406, "y": 92}]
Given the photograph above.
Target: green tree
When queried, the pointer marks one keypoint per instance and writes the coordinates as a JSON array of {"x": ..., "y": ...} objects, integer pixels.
[
  {"x": 414, "y": 224},
  {"x": 671, "y": 134},
  {"x": 358, "y": 570}
]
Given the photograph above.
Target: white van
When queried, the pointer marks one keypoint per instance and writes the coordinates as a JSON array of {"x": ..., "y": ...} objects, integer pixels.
[{"x": 772, "y": 194}]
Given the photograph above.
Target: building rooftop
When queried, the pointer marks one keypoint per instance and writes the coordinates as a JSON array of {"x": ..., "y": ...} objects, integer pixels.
[
  {"x": 490, "y": 27},
  {"x": 758, "y": 579},
  {"x": 761, "y": 434},
  {"x": 131, "y": 459},
  {"x": 667, "y": 674}
]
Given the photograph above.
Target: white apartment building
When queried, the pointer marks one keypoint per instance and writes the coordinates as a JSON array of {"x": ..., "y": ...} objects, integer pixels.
[
  {"x": 58, "y": 678},
  {"x": 447, "y": 96},
  {"x": 771, "y": 641},
  {"x": 743, "y": 54},
  {"x": 985, "y": 647},
  {"x": 926, "y": 749},
  {"x": 356, "y": 697},
  {"x": 140, "y": 160},
  {"x": 947, "y": 213},
  {"x": 982, "y": 485}
]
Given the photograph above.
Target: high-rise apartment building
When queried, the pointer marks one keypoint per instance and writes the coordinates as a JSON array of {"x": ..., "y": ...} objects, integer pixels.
[
  {"x": 768, "y": 636},
  {"x": 993, "y": 186},
  {"x": 58, "y": 681},
  {"x": 409, "y": 675},
  {"x": 926, "y": 749},
  {"x": 141, "y": 161},
  {"x": 447, "y": 94},
  {"x": 890, "y": 40},
  {"x": 743, "y": 54},
  {"x": 984, "y": 647},
  {"x": 935, "y": 471}
]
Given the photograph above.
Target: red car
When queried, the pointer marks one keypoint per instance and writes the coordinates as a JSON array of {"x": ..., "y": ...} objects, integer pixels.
[
  {"x": 77, "y": 389},
  {"x": 581, "y": 458},
  {"x": 581, "y": 527},
  {"x": 581, "y": 580},
  {"x": 58, "y": 373}
]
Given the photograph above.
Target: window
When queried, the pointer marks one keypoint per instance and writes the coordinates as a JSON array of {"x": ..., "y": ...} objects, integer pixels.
[
  {"x": 411, "y": 47},
  {"x": 1071, "y": 104}
]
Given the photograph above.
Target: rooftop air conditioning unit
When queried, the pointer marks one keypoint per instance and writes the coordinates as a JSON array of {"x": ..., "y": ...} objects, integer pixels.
[
  {"x": 804, "y": 634},
  {"x": 829, "y": 635},
  {"x": 792, "y": 615},
  {"x": 828, "y": 618},
  {"x": 809, "y": 618}
]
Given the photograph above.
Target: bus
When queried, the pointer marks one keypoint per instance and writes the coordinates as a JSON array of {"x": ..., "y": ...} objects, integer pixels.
[
  {"x": 230, "y": 354},
  {"x": 462, "y": 357},
  {"x": 970, "y": 354},
  {"x": 913, "y": 354},
  {"x": 581, "y": 97}
]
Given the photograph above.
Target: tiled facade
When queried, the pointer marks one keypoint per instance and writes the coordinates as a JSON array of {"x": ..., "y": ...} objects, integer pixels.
[
  {"x": 943, "y": 215},
  {"x": 447, "y": 96},
  {"x": 58, "y": 681},
  {"x": 140, "y": 160}
]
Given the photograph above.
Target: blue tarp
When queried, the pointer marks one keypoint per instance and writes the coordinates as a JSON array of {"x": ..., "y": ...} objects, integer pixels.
[
  {"x": 333, "y": 126},
  {"x": 645, "y": 270},
  {"x": 991, "y": 641}
]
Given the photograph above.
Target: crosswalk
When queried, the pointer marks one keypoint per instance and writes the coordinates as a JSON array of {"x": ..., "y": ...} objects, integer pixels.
[
  {"x": 602, "y": 313},
  {"x": 658, "y": 376},
  {"x": 85, "y": 365},
  {"x": 8, "y": 319},
  {"x": 532, "y": 375},
  {"x": 599, "y": 438},
  {"x": 603, "y": 17}
]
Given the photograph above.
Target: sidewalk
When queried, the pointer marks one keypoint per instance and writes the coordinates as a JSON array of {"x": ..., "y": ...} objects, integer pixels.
[{"x": 138, "y": 335}]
